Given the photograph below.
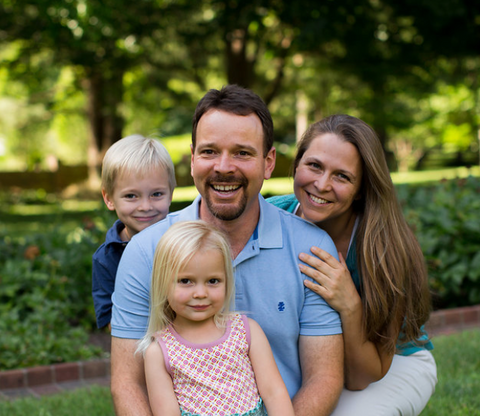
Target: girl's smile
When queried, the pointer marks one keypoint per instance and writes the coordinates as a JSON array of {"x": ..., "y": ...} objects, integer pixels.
[{"x": 199, "y": 292}]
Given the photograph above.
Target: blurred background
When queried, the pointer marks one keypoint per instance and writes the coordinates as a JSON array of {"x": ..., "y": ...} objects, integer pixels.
[{"x": 77, "y": 75}]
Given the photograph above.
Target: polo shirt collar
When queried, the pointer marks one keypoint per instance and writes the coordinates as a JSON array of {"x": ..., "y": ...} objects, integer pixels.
[
  {"x": 270, "y": 230},
  {"x": 269, "y": 227}
]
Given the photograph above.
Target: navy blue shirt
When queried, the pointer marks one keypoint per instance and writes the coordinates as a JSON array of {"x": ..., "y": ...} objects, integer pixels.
[{"x": 104, "y": 269}]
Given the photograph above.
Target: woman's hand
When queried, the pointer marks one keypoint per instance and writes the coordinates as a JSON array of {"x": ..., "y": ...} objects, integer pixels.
[{"x": 334, "y": 282}]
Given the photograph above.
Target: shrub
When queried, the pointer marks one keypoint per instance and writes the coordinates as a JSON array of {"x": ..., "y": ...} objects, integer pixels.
[
  {"x": 46, "y": 305},
  {"x": 446, "y": 220}
]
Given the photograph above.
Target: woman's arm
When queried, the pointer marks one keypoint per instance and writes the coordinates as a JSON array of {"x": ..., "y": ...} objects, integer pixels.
[
  {"x": 159, "y": 384},
  {"x": 269, "y": 382},
  {"x": 365, "y": 362}
]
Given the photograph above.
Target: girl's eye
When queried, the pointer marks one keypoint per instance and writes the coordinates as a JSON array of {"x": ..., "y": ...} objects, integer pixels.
[
  {"x": 184, "y": 281},
  {"x": 214, "y": 281}
]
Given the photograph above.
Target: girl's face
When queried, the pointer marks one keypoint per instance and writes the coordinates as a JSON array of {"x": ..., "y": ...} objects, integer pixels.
[
  {"x": 199, "y": 292},
  {"x": 328, "y": 179}
]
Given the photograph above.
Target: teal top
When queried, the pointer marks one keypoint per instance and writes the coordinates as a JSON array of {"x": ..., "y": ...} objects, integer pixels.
[{"x": 290, "y": 203}]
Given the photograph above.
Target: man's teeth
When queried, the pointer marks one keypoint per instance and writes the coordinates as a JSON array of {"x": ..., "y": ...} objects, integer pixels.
[
  {"x": 225, "y": 188},
  {"x": 318, "y": 200}
]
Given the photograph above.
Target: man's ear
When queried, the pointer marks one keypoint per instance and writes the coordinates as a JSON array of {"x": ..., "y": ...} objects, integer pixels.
[
  {"x": 108, "y": 201},
  {"x": 192, "y": 151},
  {"x": 270, "y": 162}
]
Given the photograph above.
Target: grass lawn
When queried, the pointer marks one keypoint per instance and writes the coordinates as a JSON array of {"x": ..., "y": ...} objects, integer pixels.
[
  {"x": 457, "y": 390},
  {"x": 458, "y": 365}
]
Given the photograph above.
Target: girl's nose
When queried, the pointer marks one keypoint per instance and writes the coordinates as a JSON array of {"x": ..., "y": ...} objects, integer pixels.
[{"x": 200, "y": 292}]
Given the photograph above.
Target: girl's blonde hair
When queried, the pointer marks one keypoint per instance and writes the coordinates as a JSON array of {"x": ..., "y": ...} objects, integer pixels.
[
  {"x": 393, "y": 274},
  {"x": 174, "y": 250},
  {"x": 135, "y": 154}
]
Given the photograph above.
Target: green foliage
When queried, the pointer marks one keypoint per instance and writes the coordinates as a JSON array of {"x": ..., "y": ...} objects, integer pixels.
[
  {"x": 45, "y": 295},
  {"x": 445, "y": 219}
]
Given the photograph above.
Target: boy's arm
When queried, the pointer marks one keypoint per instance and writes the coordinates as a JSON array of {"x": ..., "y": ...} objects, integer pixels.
[
  {"x": 103, "y": 282},
  {"x": 163, "y": 400},
  {"x": 269, "y": 382}
]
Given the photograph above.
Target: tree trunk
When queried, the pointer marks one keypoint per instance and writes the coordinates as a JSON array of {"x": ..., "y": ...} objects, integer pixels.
[
  {"x": 106, "y": 124},
  {"x": 239, "y": 68}
]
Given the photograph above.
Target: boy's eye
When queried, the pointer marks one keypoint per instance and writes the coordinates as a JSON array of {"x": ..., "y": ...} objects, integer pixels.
[
  {"x": 129, "y": 196},
  {"x": 157, "y": 194}
]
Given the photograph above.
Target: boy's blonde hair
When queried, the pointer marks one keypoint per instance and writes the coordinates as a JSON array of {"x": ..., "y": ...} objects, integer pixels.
[
  {"x": 174, "y": 250},
  {"x": 136, "y": 154}
]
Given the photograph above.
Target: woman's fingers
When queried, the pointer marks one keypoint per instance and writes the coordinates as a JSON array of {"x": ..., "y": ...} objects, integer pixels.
[
  {"x": 315, "y": 287},
  {"x": 324, "y": 256}
]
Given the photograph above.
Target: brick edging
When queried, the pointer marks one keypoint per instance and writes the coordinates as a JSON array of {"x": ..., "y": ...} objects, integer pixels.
[
  {"x": 57, "y": 376},
  {"x": 453, "y": 320}
]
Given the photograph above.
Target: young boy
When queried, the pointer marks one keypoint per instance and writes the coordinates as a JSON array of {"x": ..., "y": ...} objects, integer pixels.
[{"x": 138, "y": 179}]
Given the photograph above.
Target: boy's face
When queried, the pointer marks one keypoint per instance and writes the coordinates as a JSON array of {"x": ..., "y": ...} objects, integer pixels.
[{"x": 140, "y": 201}]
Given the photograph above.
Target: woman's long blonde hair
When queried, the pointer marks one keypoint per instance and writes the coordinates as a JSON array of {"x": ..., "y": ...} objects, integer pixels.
[
  {"x": 174, "y": 250},
  {"x": 393, "y": 275}
]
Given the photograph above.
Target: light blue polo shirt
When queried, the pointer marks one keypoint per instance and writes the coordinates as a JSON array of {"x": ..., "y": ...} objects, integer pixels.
[{"x": 269, "y": 286}]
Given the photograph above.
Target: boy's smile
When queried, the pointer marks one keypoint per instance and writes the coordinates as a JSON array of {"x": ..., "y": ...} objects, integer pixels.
[{"x": 140, "y": 201}]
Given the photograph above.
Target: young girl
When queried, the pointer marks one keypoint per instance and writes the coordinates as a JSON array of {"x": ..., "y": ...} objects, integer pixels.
[{"x": 201, "y": 359}]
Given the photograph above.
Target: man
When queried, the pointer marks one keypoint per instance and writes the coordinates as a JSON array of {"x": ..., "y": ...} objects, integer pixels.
[{"x": 232, "y": 154}]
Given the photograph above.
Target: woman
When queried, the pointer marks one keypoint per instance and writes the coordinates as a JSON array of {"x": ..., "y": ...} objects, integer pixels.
[{"x": 380, "y": 285}]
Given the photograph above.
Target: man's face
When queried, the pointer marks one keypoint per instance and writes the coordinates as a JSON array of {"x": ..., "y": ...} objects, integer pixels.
[{"x": 228, "y": 165}]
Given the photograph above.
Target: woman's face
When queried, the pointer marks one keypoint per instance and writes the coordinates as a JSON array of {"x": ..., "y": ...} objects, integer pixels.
[{"x": 328, "y": 179}]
